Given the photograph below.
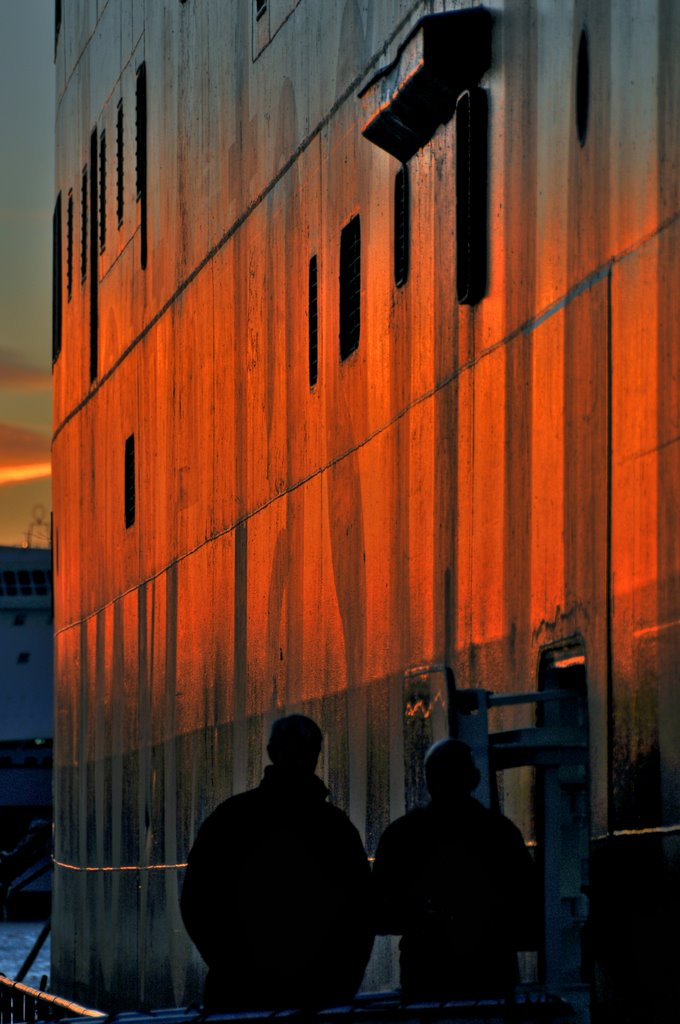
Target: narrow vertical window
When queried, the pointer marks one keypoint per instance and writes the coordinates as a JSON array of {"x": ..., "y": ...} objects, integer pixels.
[
  {"x": 83, "y": 225},
  {"x": 471, "y": 196},
  {"x": 56, "y": 279},
  {"x": 69, "y": 245},
  {"x": 313, "y": 323},
  {"x": 94, "y": 259},
  {"x": 350, "y": 287},
  {"x": 140, "y": 137},
  {"x": 582, "y": 88},
  {"x": 102, "y": 191},
  {"x": 401, "y": 226},
  {"x": 130, "y": 502},
  {"x": 119, "y": 163},
  {"x": 140, "y": 131},
  {"x": 57, "y": 22}
]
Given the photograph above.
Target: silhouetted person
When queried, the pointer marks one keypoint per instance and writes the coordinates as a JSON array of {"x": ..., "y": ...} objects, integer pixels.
[
  {"x": 456, "y": 881},
  {"x": 276, "y": 892}
]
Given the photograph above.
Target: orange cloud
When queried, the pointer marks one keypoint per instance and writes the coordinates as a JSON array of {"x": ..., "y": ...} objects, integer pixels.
[
  {"x": 24, "y": 454},
  {"x": 16, "y": 375},
  {"x": 16, "y": 474}
]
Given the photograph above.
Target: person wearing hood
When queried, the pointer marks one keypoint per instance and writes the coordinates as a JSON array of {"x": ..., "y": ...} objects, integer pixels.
[{"x": 276, "y": 892}]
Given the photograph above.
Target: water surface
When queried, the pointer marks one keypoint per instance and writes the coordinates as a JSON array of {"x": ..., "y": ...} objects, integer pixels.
[{"x": 16, "y": 941}]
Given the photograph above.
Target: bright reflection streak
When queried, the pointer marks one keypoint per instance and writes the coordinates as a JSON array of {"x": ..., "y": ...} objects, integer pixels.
[
  {"x": 422, "y": 707},
  {"x": 15, "y": 474},
  {"x": 122, "y": 867},
  {"x": 417, "y": 708}
]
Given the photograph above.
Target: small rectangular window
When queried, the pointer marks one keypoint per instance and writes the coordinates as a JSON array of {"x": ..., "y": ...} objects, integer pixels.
[
  {"x": 401, "y": 226},
  {"x": 130, "y": 502},
  {"x": 350, "y": 287},
  {"x": 25, "y": 585},
  {"x": 102, "y": 191},
  {"x": 119, "y": 163},
  {"x": 56, "y": 279},
  {"x": 39, "y": 581},
  {"x": 69, "y": 245},
  {"x": 24, "y": 658},
  {"x": 9, "y": 582},
  {"x": 313, "y": 323},
  {"x": 83, "y": 225}
]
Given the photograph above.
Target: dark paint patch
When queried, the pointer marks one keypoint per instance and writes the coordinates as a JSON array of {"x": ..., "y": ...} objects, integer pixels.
[
  {"x": 345, "y": 522},
  {"x": 518, "y": 497}
]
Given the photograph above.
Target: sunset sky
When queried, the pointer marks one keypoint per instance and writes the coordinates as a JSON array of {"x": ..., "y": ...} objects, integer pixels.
[{"x": 26, "y": 200}]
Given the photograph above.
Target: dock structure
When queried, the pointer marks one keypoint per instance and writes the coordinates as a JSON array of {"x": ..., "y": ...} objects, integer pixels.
[
  {"x": 26, "y": 730},
  {"x": 22, "y": 1004}
]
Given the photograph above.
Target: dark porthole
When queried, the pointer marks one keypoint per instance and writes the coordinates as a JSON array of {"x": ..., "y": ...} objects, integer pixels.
[{"x": 582, "y": 88}]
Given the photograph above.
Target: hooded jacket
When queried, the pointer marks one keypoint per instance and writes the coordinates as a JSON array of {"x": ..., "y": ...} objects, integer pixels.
[
  {"x": 456, "y": 881},
  {"x": 275, "y": 898}
]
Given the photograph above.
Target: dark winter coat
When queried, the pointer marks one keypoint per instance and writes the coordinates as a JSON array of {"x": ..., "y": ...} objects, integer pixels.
[
  {"x": 458, "y": 884},
  {"x": 275, "y": 897}
]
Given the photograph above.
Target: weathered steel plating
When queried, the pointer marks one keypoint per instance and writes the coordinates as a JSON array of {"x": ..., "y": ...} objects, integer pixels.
[{"x": 473, "y": 485}]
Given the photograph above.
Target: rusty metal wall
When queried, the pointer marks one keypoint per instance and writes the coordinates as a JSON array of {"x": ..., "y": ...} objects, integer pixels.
[{"x": 472, "y": 484}]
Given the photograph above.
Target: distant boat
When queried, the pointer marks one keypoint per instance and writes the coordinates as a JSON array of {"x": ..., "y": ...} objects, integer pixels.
[{"x": 26, "y": 693}]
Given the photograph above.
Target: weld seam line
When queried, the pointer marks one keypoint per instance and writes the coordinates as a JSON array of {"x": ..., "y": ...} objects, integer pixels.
[{"x": 589, "y": 281}]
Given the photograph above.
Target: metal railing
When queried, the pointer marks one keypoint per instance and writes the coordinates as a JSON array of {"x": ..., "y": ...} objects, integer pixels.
[{"x": 21, "y": 1004}]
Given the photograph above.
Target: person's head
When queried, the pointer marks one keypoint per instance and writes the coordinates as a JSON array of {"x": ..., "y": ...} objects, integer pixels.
[
  {"x": 450, "y": 770},
  {"x": 295, "y": 743}
]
